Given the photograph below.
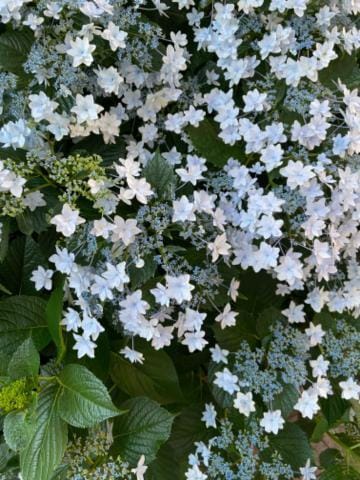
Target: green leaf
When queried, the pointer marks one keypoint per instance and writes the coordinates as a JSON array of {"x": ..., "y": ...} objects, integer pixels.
[
  {"x": 286, "y": 400},
  {"x": 232, "y": 337},
  {"x": 84, "y": 400},
  {"x": 334, "y": 408},
  {"x": 351, "y": 458},
  {"x": 267, "y": 319},
  {"x": 293, "y": 445},
  {"x": 187, "y": 429},
  {"x": 23, "y": 256},
  {"x": 320, "y": 429},
  {"x": 165, "y": 466},
  {"x": 46, "y": 447},
  {"x": 142, "y": 430},
  {"x": 4, "y": 237},
  {"x": 18, "y": 428},
  {"x": 5, "y": 456},
  {"x": 259, "y": 289},
  {"x": 30, "y": 222},
  {"x": 139, "y": 276},
  {"x": 21, "y": 317},
  {"x": 160, "y": 174},
  {"x": 96, "y": 145},
  {"x": 156, "y": 377},
  {"x": 206, "y": 140},
  {"x": 340, "y": 472},
  {"x": 344, "y": 68},
  {"x": 14, "y": 49},
  {"x": 25, "y": 361},
  {"x": 53, "y": 312}
]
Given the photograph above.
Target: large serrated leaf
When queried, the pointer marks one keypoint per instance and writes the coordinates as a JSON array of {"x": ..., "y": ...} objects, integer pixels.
[
  {"x": 293, "y": 445},
  {"x": 23, "y": 256},
  {"x": 231, "y": 338},
  {"x": 46, "y": 447},
  {"x": 25, "y": 361},
  {"x": 14, "y": 49},
  {"x": 139, "y": 276},
  {"x": 286, "y": 400},
  {"x": 344, "y": 68},
  {"x": 142, "y": 430},
  {"x": 84, "y": 400},
  {"x": 18, "y": 428},
  {"x": 165, "y": 466},
  {"x": 156, "y": 377},
  {"x": 207, "y": 143},
  {"x": 188, "y": 428},
  {"x": 21, "y": 317},
  {"x": 160, "y": 174}
]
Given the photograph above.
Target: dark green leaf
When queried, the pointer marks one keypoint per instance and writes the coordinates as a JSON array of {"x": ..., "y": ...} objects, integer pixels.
[
  {"x": 84, "y": 399},
  {"x": 267, "y": 319},
  {"x": 259, "y": 289},
  {"x": 160, "y": 174},
  {"x": 207, "y": 143},
  {"x": 334, "y": 408},
  {"x": 156, "y": 377},
  {"x": 20, "y": 318},
  {"x": 5, "y": 456},
  {"x": 244, "y": 330},
  {"x": 142, "y": 430},
  {"x": 14, "y": 49},
  {"x": 46, "y": 447},
  {"x": 139, "y": 276},
  {"x": 293, "y": 445},
  {"x": 95, "y": 145},
  {"x": 187, "y": 429},
  {"x": 53, "y": 314},
  {"x": 4, "y": 237},
  {"x": 165, "y": 466},
  {"x": 23, "y": 256},
  {"x": 286, "y": 400},
  {"x": 30, "y": 222},
  {"x": 344, "y": 68}
]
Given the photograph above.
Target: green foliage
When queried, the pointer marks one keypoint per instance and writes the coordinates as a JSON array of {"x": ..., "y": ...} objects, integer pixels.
[
  {"x": 21, "y": 317},
  {"x": 83, "y": 399},
  {"x": 45, "y": 449},
  {"x": 14, "y": 48},
  {"x": 160, "y": 174},
  {"x": 293, "y": 445},
  {"x": 53, "y": 312},
  {"x": 156, "y": 377},
  {"x": 208, "y": 144},
  {"x": 25, "y": 361},
  {"x": 18, "y": 428},
  {"x": 24, "y": 255},
  {"x": 142, "y": 430}
]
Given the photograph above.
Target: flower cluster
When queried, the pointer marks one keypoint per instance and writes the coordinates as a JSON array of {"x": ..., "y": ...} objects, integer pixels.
[{"x": 168, "y": 150}]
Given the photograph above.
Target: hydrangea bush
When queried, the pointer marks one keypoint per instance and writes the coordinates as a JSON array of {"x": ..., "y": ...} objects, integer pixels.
[{"x": 179, "y": 240}]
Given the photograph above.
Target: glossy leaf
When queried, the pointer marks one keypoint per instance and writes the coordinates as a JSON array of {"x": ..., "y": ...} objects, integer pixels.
[
  {"x": 83, "y": 400},
  {"x": 142, "y": 430},
  {"x": 46, "y": 447}
]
